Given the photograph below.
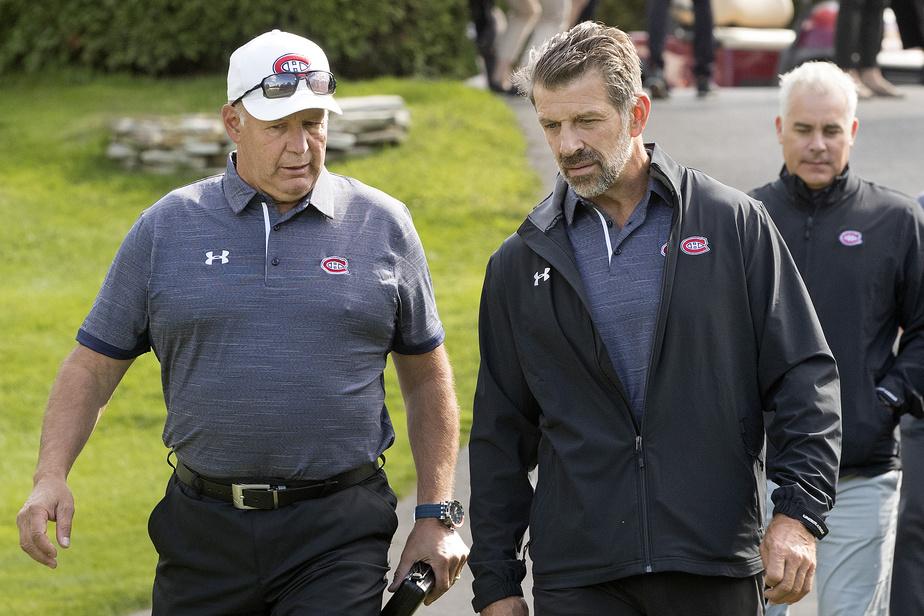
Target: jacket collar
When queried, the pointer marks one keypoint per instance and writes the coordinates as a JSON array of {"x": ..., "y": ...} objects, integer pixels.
[
  {"x": 843, "y": 184},
  {"x": 541, "y": 233},
  {"x": 662, "y": 169}
]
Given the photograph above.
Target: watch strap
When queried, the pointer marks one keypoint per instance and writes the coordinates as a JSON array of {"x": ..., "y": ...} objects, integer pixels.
[{"x": 430, "y": 510}]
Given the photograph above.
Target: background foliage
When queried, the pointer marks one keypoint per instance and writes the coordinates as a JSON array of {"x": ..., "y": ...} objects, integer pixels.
[
  {"x": 181, "y": 37},
  {"x": 363, "y": 38},
  {"x": 624, "y": 14}
]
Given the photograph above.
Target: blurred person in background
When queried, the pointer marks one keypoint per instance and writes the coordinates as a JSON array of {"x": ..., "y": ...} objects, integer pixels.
[
  {"x": 486, "y": 30},
  {"x": 703, "y": 47},
  {"x": 857, "y": 42},
  {"x": 582, "y": 10},
  {"x": 528, "y": 22},
  {"x": 909, "y": 16}
]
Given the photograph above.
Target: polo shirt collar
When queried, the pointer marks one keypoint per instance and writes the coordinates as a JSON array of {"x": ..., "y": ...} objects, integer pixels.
[
  {"x": 239, "y": 193},
  {"x": 572, "y": 200},
  {"x": 322, "y": 195}
]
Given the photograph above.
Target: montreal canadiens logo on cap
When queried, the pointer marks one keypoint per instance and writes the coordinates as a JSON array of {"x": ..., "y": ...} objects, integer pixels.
[
  {"x": 850, "y": 238},
  {"x": 335, "y": 265},
  {"x": 291, "y": 63},
  {"x": 695, "y": 245}
]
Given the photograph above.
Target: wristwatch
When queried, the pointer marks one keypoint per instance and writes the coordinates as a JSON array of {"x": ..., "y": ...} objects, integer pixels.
[{"x": 448, "y": 512}]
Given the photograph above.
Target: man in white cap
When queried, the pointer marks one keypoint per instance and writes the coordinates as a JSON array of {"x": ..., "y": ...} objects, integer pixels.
[{"x": 272, "y": 295}]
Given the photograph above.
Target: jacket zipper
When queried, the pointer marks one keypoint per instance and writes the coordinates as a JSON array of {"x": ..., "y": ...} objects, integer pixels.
[
  {"x": 643, "y": 497},
  {"x": 655, "y": 351},
  {"x": 807, "y": 234},
  {"x": 659, "y": 327}
]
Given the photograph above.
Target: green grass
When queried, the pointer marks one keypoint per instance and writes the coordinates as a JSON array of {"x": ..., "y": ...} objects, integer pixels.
[{"x": 65, "y": 209}]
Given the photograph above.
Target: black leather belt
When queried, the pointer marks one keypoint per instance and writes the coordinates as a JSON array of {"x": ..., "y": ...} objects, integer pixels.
[{"x": 272, "y": 496}]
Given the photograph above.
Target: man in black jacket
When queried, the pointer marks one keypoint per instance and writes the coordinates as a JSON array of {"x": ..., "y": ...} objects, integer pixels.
[
  {"x": 633, "y": 332},
  {"x": 860, "y": 250}
]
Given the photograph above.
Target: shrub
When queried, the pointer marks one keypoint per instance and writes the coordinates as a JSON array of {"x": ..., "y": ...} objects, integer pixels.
[
  {"x": 624, "y": 14},
  {"x": 363, "y": 38}
]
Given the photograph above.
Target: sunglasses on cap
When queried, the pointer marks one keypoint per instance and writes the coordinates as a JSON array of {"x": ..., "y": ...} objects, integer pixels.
[{"x": 283, "y": 85}]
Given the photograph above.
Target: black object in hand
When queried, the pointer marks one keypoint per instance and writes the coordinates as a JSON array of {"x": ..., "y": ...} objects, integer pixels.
[{"x": 412, "y": 591}]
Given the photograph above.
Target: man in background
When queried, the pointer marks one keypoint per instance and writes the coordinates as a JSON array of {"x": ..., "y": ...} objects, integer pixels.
[{"x": 860, "y": 250}]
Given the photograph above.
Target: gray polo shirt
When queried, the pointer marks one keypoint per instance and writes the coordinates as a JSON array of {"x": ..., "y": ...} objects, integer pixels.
[
  {"x": 622, "y": 271},
  {"x": 272, "y": 331}
]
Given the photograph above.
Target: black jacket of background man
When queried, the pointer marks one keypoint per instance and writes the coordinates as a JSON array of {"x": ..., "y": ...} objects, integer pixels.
[
  {"x": 736, "y": 336},
  {"x": 860, "y": 250}
]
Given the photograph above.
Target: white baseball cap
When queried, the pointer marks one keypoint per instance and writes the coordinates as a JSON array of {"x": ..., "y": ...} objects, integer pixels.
[{"x": 269, "y": 54}]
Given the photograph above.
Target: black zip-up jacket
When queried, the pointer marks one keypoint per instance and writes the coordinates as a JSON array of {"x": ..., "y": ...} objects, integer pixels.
[
  {"x": 735, "y": 336},
  {"x": 860, "y": 250}
]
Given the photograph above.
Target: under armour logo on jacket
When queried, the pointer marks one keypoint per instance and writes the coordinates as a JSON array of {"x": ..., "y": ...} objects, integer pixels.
[
  {"x": 543, "y": 277},
  {"x": 212, "y": 257}
]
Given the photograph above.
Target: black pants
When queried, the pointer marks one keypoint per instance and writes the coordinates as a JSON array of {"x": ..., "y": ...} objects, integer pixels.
[
  {"x": 319, "y": 556},
  {"x": 703, "y": 41},
  {"x": 909, "y": 14},
  {"x": 657, "y": 594},
  {"x": 858, "y": 34},
  {"x": 485, "y": 31},
  {"x": 908, "y": 566}
]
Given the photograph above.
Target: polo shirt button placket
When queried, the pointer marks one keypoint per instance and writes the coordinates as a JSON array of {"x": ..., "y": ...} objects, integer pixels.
[{"x": 275, "y": 261}]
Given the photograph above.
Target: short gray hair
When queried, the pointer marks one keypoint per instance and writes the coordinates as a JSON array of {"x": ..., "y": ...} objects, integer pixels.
[
  {"x": 567, "y": 56},
  {"x": 819, "y": 78}
]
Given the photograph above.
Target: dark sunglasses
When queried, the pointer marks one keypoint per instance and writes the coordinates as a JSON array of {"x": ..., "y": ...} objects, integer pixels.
[{"x": 283, "y": 85}]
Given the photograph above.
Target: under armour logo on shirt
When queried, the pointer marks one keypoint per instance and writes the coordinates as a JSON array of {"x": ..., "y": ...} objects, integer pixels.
[
  {"x": 543, "y": 277},
  {"x": 223, "y": 257}
]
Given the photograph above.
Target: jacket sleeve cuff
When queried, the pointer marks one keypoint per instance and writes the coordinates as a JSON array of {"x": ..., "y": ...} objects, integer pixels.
[
  {"x": 496, "y": 580},
  {"x": 900, "y": 397},
  {"x": 487, "y": 595},
  {"x": 815, "y": 524}
]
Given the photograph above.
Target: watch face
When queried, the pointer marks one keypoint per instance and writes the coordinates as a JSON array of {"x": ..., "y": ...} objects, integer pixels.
[{"x": 455, "y": 513}]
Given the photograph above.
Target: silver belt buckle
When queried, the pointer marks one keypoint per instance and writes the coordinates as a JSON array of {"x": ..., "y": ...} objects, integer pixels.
[{"x": 237, "y": 494}]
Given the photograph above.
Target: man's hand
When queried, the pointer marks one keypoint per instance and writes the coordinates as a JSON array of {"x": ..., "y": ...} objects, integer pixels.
[
  {"x": 51, "y": 500},
  {"x": 788, "y": 552},
  {"x": 508, "y": 606},
  {"x": 441, "y": 548}
]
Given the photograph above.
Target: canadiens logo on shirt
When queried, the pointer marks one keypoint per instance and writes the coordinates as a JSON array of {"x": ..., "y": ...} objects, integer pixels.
[
  {"x": 335, "y": 265},
  {"x": 850, "y": 238}
]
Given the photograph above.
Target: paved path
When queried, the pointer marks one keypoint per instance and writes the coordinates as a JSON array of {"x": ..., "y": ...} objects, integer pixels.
[{"x": 731, "y": 137}]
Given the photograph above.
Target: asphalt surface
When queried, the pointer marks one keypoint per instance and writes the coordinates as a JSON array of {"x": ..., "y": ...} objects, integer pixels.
[{"x": 730, "y": 136}]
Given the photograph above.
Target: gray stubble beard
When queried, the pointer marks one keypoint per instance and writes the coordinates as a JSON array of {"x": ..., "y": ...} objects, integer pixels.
[{"x": 610, "y": 170}]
